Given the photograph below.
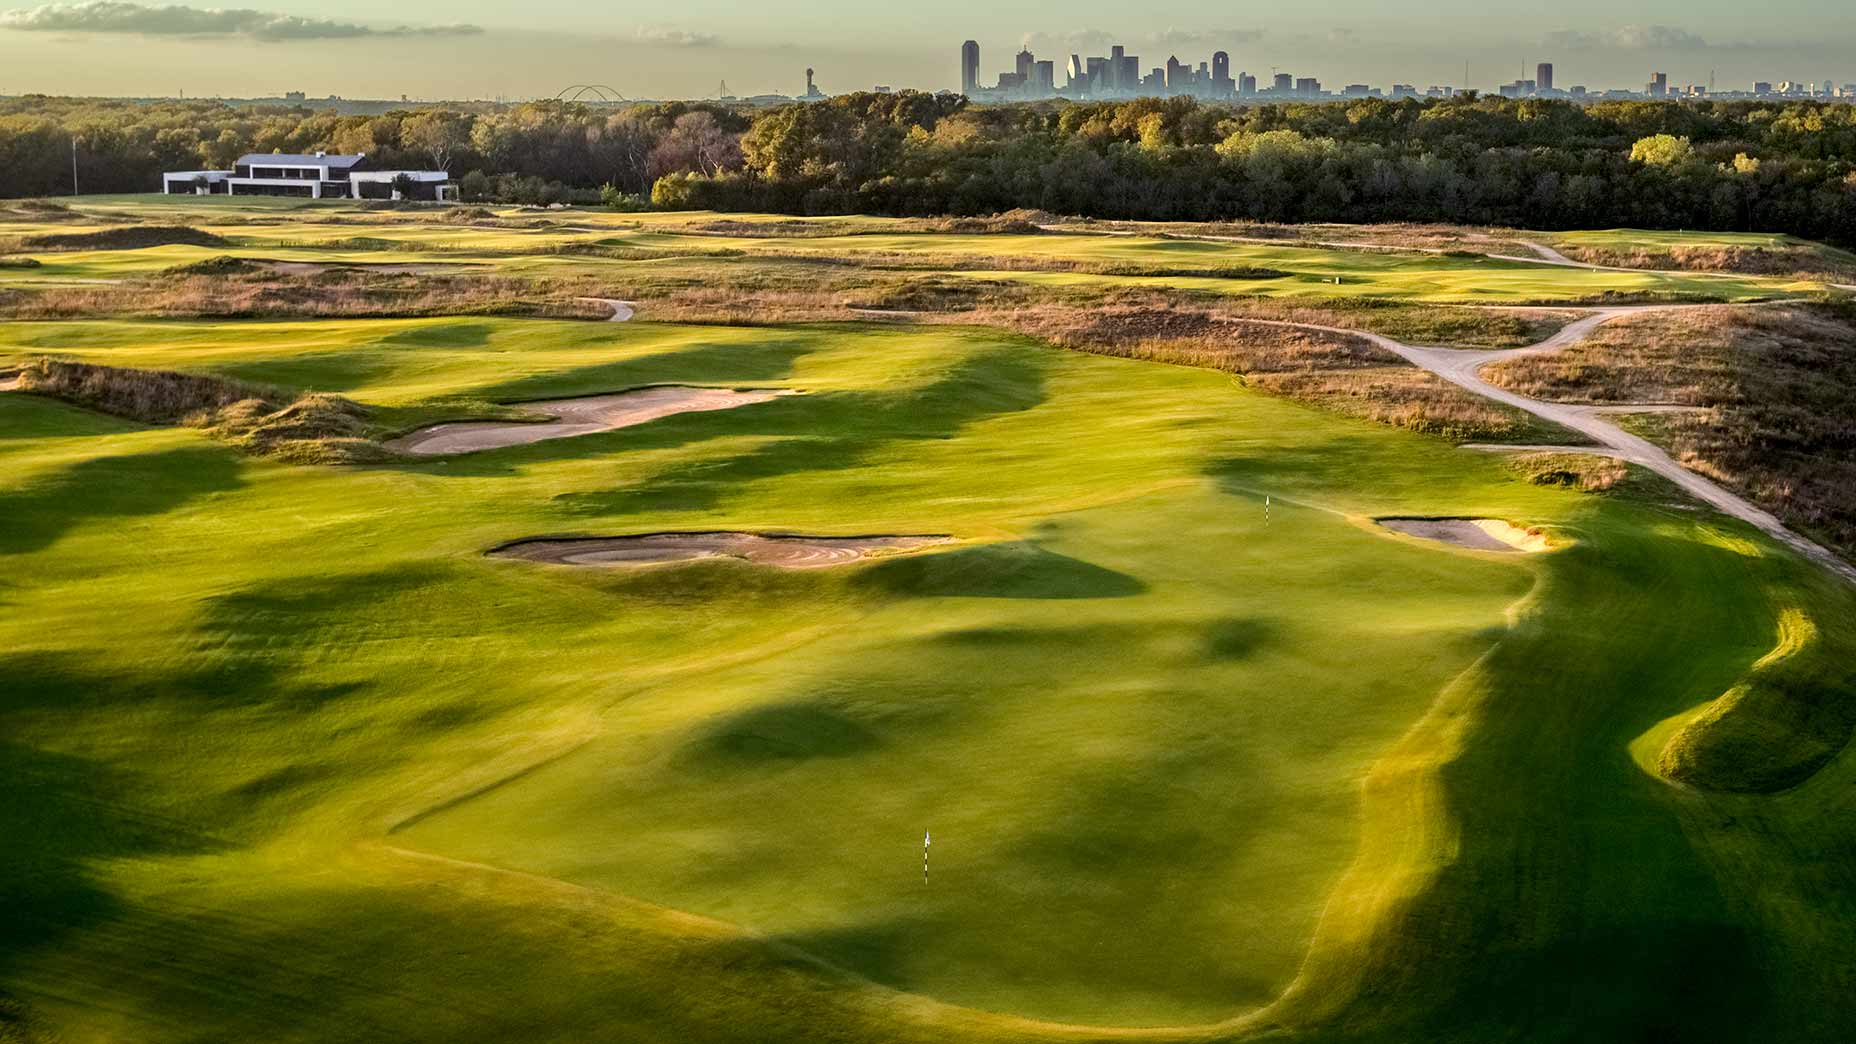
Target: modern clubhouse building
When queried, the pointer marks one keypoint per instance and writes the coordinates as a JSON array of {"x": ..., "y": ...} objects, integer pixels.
[{"x": 317, "y": 176}]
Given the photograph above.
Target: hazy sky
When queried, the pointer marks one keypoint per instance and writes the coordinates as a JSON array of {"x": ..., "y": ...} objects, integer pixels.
[{"x": 480, "y": 48}]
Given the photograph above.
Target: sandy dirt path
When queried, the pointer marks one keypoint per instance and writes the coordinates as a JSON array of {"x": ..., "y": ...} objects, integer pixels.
[
  {"x": 1463, "y": 369},
  {"x": 583, "y": 416},
  {"x": 622, "y": 311}
]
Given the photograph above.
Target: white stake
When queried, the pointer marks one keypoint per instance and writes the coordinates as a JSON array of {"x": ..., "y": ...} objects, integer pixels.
[{"x": 925, "y": 842}]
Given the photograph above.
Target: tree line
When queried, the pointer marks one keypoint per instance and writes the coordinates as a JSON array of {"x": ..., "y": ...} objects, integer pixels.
[{"x": 1731, "y": 166}]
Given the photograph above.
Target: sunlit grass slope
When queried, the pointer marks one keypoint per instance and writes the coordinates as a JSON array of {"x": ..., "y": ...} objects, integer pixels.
[{"x": 295, "y": 762}]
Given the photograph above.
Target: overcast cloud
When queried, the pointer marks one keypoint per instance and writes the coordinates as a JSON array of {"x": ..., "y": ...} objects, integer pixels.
[{"x": 112, "y": 16}]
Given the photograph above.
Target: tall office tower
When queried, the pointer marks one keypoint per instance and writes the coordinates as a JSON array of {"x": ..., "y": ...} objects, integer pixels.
[
  {"x": 1221, "y": 67},
  {"x": 1076, "y": 74},
  {"x": 1543, "y": 76},
  {"x": 969, "y": 67},
  {"x": 1044, "y": 78},
  {"x": 1111, "y": 76},
  {"x": 1658, "y": 87},
  {"x": 1283, "y": 84},
  {"x": 1098, "y": 75},
  {"x": 1176, "y": 75},
  {"x": 1130, "y": 70},
  {"x": 1246, "y": 84},
  {"x": 1307, "y": 86},
  {"x": 1025, "y": 60}
]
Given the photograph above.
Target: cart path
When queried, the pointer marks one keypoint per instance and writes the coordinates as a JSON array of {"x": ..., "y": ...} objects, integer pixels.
[
  {"x": 1463, "y": 369},
  {"x": 622, "y": 311}
]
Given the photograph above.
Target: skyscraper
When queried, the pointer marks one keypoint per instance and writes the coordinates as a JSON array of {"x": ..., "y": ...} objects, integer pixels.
[
  {"x": 1543, "y": 76},
  {"x": 1221, "y": 69},
  {"x": 1025, "y": 60},
  {"x": 969, "y": 67}
]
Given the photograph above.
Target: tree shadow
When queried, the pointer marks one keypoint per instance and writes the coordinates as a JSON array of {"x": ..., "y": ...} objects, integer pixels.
[
  {"x": 1017, "y": 569},
  {"x": 831, "y": 431},
  {"x": 112, "y": 487},
  {"x": 60, "y": 815}
]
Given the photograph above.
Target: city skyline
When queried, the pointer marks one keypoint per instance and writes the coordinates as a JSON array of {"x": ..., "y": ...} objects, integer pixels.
[
  {"x": 475, "y": 49},
  {"x": 1120, "y": 74}
]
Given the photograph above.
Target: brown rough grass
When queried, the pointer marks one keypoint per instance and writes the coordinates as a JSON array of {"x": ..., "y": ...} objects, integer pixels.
[
  {"x": 1797, "y": 262},
  {"x": 1777, "y": 391}
]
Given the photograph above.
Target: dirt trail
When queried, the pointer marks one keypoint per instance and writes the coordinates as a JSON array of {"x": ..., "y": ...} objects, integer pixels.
[
  {"x": 582, "y": 416},
  {"x": 781, "y": 550},
  {"x": 1463, "y": 368},
  {"x": 622, "y": 311}
]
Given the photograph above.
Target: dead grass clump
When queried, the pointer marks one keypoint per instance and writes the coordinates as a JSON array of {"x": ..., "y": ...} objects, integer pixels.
[
  {"x": 308, "y": 428},
  {"x": 1801, "y": 261},
  {"x": 132, "y": 237},
  {"x": 148, "y": 396},
  {"x": 223, "y": 265},
  {"x": 1581, "y": 471},
  {"x": 936, "y": 294}
]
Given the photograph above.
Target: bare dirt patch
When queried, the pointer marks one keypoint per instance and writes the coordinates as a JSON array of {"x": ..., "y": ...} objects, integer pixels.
[
  {"x": 566, "y": 418},
  {"x": 781, "y": 550},
  {"x": 1476, "y": 534}
]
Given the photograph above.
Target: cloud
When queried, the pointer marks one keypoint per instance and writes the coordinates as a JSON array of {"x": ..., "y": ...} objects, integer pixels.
[
  {"x": 675, "y": 37},
  {"x": 1206, "y": 37},
  {"x": 1098, "y": 41},
  {"x": 1629, "y": 38},
  {"x": 113, "y": 16}
]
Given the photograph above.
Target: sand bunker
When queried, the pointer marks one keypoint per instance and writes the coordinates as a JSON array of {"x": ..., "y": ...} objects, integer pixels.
[
  {"x": 570, "y": 417},
  {"x": 783, "y": 550},
  {"x": 1477, "y": 534}
]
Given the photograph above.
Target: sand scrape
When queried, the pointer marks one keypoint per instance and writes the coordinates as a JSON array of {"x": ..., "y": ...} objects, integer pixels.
[
  {"x": 583, "y": 416},
  {"x": 1477, "y": 534},
  {"x": 782, "y": 550}
]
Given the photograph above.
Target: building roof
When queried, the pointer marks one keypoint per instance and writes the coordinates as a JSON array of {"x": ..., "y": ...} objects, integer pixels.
[{"x": 297, "y": 160}]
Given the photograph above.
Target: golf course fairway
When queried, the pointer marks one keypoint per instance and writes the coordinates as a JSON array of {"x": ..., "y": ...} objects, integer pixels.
[{"x": 1205, "y": 753}]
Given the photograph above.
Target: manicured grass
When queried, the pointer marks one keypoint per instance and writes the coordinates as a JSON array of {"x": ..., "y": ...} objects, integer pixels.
[{"x": 293, "y": 761}]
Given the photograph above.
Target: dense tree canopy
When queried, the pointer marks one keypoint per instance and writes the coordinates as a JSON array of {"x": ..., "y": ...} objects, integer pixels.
[{"x": 1543, "y": 164}]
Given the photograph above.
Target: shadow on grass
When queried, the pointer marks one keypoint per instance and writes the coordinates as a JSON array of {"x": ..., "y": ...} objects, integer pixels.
[
  {"x": 1006, "y": 570},
  {"x": 830, "y": 431},
  {"x": 137, "y": 485},
  {"x": 60, "y": 814}
]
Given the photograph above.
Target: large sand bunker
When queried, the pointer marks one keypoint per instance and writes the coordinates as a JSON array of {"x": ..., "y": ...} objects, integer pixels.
[
  {"x": 570, "y": 417},
  {"x": 784, "y": 550},
  {"x": 1477, "y": 534}
]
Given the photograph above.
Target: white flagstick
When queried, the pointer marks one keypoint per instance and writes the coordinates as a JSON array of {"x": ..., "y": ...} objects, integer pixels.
[
  {"x": 1266, "y": 509},
  {"x": 925, "y": 842}
]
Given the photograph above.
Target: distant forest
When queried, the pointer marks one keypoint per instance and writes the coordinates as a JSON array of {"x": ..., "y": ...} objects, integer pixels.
[{"x": 1736, "y": 166}]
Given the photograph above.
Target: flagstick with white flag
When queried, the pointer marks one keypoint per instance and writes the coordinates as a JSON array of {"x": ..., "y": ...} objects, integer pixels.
[{"x": 925, "y": 842}]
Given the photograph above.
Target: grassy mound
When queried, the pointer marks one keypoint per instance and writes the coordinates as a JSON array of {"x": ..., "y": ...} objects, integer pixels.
[
  {"x": 319, "y": 429},
  {"x": 132, "y": 237},
  {"x": 1782, "y": 723},
  {"x": 222, "y": 265}
]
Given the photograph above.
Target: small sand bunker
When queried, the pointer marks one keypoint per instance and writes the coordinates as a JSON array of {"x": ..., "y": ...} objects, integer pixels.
[
  {"x": 783, "y": 550},
  {"x": 1477, "y": 534},
  {"x": 570, "y": 417}
]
